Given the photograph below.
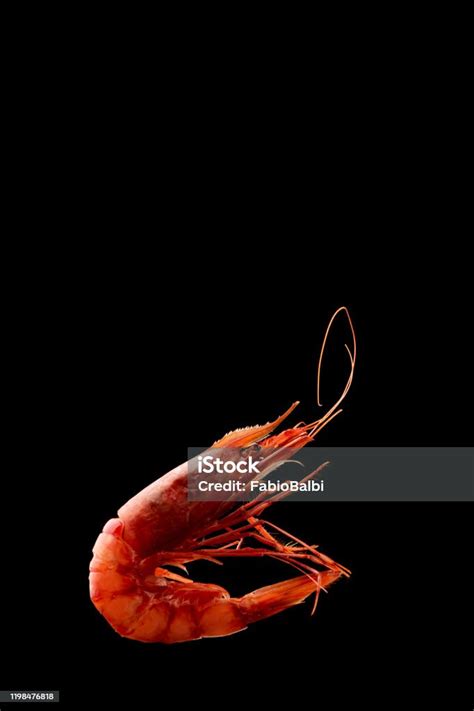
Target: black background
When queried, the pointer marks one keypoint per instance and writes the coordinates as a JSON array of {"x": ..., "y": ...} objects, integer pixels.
[
  {"x": 177, "y": 246},
  {"x": 132, "y": 373}
]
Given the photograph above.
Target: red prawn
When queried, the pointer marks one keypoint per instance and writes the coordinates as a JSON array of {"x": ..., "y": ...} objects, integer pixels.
[{"x": 130, "y": 583}]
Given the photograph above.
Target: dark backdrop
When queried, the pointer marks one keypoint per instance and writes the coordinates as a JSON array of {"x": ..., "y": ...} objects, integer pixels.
[{"x": 131, "y": 375}]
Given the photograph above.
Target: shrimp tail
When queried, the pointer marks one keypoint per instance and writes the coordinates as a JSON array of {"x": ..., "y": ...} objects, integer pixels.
[
  {"x": 229, "y": 615},
  {"x": 275, "y": 598}
]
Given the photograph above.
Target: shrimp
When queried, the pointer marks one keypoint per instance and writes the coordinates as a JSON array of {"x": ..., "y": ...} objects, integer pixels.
[{"x": 131, "y": 583}]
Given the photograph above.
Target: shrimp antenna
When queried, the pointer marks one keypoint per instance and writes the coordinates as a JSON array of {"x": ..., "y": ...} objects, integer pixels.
[{"x": 352, "y": 357}]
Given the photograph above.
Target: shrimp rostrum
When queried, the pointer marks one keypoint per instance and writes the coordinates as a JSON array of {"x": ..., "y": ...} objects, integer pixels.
[{"x": 133, "y": 578}]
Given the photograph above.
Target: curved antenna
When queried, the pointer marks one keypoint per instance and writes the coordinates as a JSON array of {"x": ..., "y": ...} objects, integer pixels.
[
  {"x": 318, "y": 424},
  {"x": 352, "y": 356}
]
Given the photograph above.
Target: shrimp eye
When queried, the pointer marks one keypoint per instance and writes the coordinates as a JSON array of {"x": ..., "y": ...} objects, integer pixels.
[{"x": 251, "y": 449}]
